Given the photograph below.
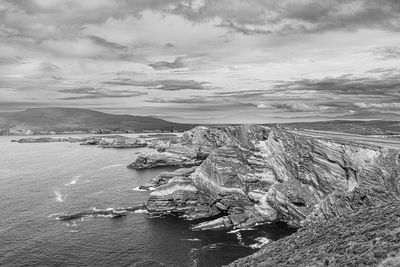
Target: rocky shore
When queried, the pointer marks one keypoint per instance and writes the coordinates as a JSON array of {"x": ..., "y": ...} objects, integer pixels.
[
  {"x": 242, "y": 176},
  {"x": 110, "y": 141}
]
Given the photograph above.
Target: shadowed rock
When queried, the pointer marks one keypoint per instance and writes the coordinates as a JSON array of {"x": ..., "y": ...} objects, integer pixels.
[{"x": 113, "y": 213}]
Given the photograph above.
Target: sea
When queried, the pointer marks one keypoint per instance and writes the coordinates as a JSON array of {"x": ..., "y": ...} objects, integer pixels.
[{"x": 40, "y": 181}]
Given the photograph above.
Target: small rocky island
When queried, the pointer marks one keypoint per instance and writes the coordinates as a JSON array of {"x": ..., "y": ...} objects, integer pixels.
[{"x": 240, "y": 176}]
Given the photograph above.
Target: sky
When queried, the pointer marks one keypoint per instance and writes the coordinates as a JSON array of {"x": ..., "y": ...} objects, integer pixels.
[{"x": 203, "y": 60}]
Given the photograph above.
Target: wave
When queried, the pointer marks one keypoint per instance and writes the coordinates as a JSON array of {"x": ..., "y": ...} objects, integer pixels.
[
  {"x": 71, "y": 224},
  {"x": 5, "y": 229},
  {"x": 59, "y": 196},
  {"x": 74, "y": 180},
  {"x": 261, "y": 241},
  {"x": 143, "y": 190},
  {"x": 240, "y": 229},
  {"x": 105, "y": 216},
  {"x": 111, "y": 166},
  {"x": 212, "y": 246},
  {"x": 192, "y": 239},
  {"x": 141, "y": 211},
  {"x": 54, "y": 215}
]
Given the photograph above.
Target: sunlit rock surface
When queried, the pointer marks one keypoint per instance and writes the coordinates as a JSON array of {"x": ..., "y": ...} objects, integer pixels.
[{"x": 196, "y": 145}]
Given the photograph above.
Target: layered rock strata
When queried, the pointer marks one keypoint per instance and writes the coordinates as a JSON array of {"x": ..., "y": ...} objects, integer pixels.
[
  {"x": 196, "y": 145},
  {"x": 252, "y": 174}
]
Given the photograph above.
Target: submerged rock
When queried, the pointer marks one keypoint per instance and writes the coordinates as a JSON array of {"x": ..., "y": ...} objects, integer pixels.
[{"x": 113, "y": 213}]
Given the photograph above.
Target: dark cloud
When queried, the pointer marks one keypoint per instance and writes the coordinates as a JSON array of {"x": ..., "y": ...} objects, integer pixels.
[
  {"x": 105, "y": 43},
  {"x": 293, "y": 16},
  {"x": 162, "y": 65},
  {"x": 248, "y": 17},
  {"x": 241, "y": 94},
  {"x": 233, "y": 26},
  {"x": 182, "y": 100},
  {"x": 169, "y": 45},
  {"x": 165, "y": 85},
  {"x": 8, "y": 60},
  {"x": 95, "y": 93},
  {"x": 49, "y": 67},
  {"x": 344, "y": 86},
  {"x": 176, "y": 85},
  {"x": 386, "y": 53},
  {"x": 383, "y": 70}
]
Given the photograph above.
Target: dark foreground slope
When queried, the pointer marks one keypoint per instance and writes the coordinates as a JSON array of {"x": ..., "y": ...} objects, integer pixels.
[
  {"x": 42, "y": 120},
  {"x": 368, "y": 237}
]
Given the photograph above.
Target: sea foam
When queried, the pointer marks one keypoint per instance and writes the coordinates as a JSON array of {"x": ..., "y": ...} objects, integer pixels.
[
  {"x": 59, "y": 196},
  {"x": 261, "y": 241}
]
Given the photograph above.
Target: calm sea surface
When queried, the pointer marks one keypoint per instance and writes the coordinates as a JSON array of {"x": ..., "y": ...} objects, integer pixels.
[{"x": 39, "y": 181}]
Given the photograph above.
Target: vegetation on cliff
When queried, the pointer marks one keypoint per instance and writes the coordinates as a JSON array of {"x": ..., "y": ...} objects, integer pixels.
[{"x": 367, "y": 237}]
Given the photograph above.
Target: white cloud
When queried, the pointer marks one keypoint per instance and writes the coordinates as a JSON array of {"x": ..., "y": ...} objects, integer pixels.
[
  {"x": 154, "y": 28},
  {"x": 74, "y": 48},
  {"x": 262, "y": 106}
]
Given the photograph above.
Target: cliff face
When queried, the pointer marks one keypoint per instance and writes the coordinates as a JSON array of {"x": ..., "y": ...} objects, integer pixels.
[{"x": 253, "y": 174}]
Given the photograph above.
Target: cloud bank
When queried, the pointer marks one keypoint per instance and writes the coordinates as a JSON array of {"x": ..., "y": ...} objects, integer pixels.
[{"x": 202, "y": 58}]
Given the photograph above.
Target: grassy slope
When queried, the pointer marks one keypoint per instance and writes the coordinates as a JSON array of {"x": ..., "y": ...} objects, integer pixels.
[{"x": 364, "y": 238}]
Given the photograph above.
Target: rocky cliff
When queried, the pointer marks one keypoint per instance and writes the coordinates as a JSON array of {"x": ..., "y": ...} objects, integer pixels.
[{"x": 248, "y": 175}]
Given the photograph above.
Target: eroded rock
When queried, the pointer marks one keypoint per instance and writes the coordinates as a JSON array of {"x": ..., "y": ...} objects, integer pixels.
[{"x": 255, "y": 175}]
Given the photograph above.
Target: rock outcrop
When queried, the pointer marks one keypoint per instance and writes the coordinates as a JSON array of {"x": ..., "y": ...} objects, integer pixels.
[
  {"x": 110, "y": 141},
  {"x": 253, "y": 174},
  {"x": 116, "y": 141},
  {"x": 111, "y": 212},
  {"x": 196, "y": 145},
  {"x": 164, "y": 177}
]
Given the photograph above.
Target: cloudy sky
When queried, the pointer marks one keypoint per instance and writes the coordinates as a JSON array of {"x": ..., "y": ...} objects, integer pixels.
[{"x": 203, "y": 60}]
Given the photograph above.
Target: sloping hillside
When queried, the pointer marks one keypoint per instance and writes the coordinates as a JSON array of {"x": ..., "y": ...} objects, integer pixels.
[{"x": 39, "y": 120}]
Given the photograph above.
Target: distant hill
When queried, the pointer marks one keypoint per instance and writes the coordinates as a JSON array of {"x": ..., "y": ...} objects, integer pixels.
[{"x": 59, "y": 120}]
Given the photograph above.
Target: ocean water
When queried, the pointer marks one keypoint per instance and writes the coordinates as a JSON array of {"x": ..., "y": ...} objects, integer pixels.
[{"x": 40, "y": 181}]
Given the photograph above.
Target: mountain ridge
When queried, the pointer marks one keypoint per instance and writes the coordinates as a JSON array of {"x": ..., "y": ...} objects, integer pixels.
[{"x": 67, "y": 120}]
